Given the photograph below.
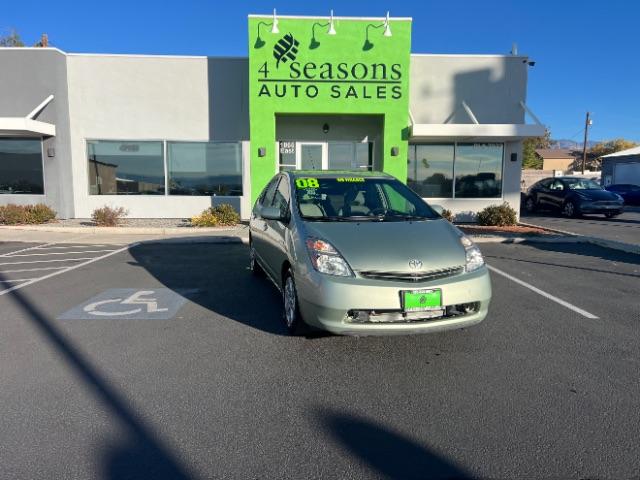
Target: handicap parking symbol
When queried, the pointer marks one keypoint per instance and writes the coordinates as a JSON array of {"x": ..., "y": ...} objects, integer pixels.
[{"x": 129, "y": 304}]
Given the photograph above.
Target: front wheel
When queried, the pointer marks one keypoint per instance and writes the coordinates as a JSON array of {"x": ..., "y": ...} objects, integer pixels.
[
  {"x": 291, "y": 310},
  {"x": 570, "y": 210}
]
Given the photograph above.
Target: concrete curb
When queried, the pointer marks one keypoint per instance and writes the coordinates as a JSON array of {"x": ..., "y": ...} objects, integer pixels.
[
  {"x": 213, "y": 240},
  {"x": 123, "y": 230}
]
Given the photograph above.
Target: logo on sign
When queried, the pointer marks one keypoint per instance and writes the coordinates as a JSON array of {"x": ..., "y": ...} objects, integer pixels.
[
  {"x": 285, "y": 49},
  {"x": 415, "y": 264}
]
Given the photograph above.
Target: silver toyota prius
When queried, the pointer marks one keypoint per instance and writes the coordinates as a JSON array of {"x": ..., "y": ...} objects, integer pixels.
[{"x": 359, "y": 253}]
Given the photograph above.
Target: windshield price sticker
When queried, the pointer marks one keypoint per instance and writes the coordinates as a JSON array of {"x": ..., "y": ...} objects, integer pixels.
[
  {"x": 350, "y": 179},
  {"x": 307, "y": 183}
]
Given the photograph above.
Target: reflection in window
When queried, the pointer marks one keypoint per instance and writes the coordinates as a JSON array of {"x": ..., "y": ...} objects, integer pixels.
[
  {"x": 350, "y": 155},
  {"x": 430, "y": 171},
  {"x": 205, "y": 168},
  {"x": 21, "y": 166},
  {"x": 125, "y": 168},
  {"x": 478, "y": 170}
]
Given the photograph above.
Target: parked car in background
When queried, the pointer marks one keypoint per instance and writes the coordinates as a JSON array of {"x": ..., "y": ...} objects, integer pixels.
[
  {"x": 630, "y": 193},
  {"x": 573, "y": 196},
  {"x": 359, "y": 253}
]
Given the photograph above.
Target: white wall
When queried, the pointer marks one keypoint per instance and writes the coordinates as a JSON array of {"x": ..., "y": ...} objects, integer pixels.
[{"x": 140, "y": 98}]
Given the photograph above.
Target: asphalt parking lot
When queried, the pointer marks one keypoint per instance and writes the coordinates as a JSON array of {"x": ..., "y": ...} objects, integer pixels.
[
  {"x": 623, "y": 228},
  {"x": 212, "y": 387}
]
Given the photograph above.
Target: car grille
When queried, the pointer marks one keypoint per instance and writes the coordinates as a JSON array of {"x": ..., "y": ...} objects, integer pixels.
[
  {"x": 412, "y": 276},
  {"x": 605, "y": 203}
]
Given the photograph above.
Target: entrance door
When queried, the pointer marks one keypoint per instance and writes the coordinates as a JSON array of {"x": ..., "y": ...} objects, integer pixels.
[{"x": 311, "y": 155}]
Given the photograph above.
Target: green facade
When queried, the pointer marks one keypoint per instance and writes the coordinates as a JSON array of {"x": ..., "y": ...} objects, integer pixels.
[{"x": 304, "y": 70}]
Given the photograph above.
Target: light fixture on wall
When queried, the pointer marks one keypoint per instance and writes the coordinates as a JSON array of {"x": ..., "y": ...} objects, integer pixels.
[
  {"x": 325, "y": 128},
  {"x": 274, "y": 29},
  {"x": 368, "y": 45},
  {"x": 387, "y": 27},
  {"x": 331, "y": 31}
]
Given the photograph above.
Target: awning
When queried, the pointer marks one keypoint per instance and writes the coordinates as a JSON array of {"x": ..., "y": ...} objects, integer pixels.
[
  {"x": 25, "y": 127},
  {"x": 474, "y": 132}
]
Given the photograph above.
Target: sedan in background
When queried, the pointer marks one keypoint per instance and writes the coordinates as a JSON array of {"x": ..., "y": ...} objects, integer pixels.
[
  {"x": 573, "y": 196},
  {"x": 630, "y": 193},
  {"x": 359, "y": 253}
]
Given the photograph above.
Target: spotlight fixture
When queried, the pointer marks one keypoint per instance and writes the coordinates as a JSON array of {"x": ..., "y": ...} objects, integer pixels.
[
  {"x": 325, "y": 128},
  {"x": 274, "y": 28},
  {"x": 332, "y": 30},
  {"x": 387, "y": 27}
]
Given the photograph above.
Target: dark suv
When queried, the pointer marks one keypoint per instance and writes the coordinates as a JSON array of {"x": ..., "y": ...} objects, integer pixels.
[{"x": 572, "y": 196}]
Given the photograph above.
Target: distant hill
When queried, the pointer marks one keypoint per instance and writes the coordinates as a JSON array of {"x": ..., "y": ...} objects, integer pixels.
[{"x": 570, "y": 144}]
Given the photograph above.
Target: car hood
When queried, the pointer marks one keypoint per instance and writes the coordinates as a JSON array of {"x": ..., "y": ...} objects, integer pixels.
[
  {"x": 388, "y": 246},
  {"x": 596, "y": 195}
]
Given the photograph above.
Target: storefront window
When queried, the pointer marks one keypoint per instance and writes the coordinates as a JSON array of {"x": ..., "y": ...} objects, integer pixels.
[
  {"x": 477, "y": 167},
  {"x": 205, "y": 168},
  {"x": 125, "y": 168},
  {"x": 479, "y": 170},
  {"x": 21, "y": 166},
  {"x": 430, "y": 172}
]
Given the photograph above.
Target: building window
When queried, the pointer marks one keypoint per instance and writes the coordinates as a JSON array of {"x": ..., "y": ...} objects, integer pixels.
[
  {"x": 21, "y": 166},
  {"x": 205, "y": 168},
  {"x": 431, "y": 170},
  {"x": 125, "y": 167},
  {"x": 476, "y": 167}
]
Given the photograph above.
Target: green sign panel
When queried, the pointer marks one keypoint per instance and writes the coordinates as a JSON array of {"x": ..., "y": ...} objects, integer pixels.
[{"x": 303, "y": 69}]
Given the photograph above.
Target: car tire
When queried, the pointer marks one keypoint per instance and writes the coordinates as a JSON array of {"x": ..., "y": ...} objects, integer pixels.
[
  {"x": 530, "y": 205},
  {"x": 290, "y": 308},
  {"x": 254, "y": 266},
  {"x": 570, "y": 210}
]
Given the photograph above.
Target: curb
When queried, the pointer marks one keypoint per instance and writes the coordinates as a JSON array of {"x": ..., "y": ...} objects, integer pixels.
[
  {"x": 122, "y": 230},
  {"x": 218, "y": 240}
]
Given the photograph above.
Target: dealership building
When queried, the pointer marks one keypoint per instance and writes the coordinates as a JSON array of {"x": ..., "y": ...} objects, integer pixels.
[{"x": 168, "y": 136}]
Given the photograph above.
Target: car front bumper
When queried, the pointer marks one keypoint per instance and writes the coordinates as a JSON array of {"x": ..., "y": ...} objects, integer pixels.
[
  {"x": 591, "y": 208},
  {"x": 328, "y": 303}
]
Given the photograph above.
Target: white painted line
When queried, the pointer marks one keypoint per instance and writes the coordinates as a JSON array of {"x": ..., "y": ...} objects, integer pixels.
[
  {"x": 68, "y": 269},
  {"x": 553, "y": 298},
  {"x": 27, "y": 249},
  {"x": 16, "y": 280},
  {"x": 58, "y": 253},
  {"x": 48, "y": 261},
  {"x": 93, "y": 245},
  {"x": 31, "y": 269}
]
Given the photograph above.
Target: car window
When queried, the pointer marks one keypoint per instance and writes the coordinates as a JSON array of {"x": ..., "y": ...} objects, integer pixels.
[
  {"x": 281, "y": 197},
  {"x": 267, "y": 196},
  {"x": 543, "y": 183},
  {"x": 582, "y": 184},
  {"x": 556, "y": 185}
]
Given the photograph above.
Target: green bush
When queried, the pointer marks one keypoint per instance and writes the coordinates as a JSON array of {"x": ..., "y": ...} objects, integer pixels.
[
  {"x": 498, "y": 216},
  {"x": 26, "y": 214},
  {"x": 108, "y": 216},
  {"x": 218, "y": 216},
  {"x": 447, "y": 215}
]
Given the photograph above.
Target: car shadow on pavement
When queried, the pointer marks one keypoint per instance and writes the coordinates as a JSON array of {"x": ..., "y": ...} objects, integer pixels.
[
  {"x": 142, "y": 455},
  {"x": 216, "y": 277},
  {"x": 390, "y": 454}
]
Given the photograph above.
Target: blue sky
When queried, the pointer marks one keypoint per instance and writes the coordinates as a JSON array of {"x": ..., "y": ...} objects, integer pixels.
[{"x": 586, "y": 52}]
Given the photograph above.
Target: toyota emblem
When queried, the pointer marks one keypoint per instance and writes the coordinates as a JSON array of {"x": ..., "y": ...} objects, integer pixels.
[{"x": 415, "y": 264}]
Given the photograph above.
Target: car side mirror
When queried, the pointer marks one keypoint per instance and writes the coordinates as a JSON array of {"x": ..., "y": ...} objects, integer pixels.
[
  {"x": 438, "y": 208},
  {"x": 271, "y": 213}
]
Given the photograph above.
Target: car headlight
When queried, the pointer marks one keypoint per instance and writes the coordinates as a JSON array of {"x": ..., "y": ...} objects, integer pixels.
[
  {"x": 474, "y": 259},
  {"x": 326, "y": 259}
]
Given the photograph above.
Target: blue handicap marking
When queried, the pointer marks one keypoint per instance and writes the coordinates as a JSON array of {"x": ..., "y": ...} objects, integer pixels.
[{"x": 128, "y": 304}]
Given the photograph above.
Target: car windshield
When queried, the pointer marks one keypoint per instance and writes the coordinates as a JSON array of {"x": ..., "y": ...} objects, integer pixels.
[
  {"x": 353, "y": 198},
  {"x": 582, "y": 184}
]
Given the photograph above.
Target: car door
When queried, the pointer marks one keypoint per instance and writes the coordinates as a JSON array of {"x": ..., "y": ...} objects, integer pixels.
[
  {"x": 556, "y": 194},
  {"x": 277, "y": 230},
  {"x": 540, "y": 192},
  {"x": 259, "y": 225}
]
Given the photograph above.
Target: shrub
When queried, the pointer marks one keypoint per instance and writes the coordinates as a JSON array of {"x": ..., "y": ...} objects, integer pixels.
[
  {"x": 220, "y": 215},
  {"x": 498, "y": 216},
  {"x": 447, "y": 215},
  {"x": 108, "y": 216},
  {"x": 26, "y": 214}
]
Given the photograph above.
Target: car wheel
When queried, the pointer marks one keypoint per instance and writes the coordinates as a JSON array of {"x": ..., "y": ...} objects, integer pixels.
[
  {"x": 530, "y": 205},
  {"x": 569, "y": 209},
  {"x": 254, "y": 266},
  {"x": 611, "y": 215},
  {"x": 291, "y": 310}
]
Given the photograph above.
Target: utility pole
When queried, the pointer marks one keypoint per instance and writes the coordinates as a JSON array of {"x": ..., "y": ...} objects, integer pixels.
[{"x": 587, "y": 122}]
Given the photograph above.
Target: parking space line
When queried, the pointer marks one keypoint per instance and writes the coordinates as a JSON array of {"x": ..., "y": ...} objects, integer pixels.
[
  {"x": 58, "y": 253},
  {"x": 26, "y": 249},
  {"x": 553, "y": 298},
  {"x": 61, "y": 247},
  {"x": 67, "y": 269},
  {"x": 48, "y": 261},
  {"x": 13, "y": 280},
  {"x": 31, "y": 269}
]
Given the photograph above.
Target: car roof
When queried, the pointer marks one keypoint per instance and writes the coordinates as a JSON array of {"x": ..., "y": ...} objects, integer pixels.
[{"x": 336, "y": 173}]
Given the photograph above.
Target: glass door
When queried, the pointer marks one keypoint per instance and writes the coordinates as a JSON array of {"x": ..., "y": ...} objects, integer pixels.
[
  {"x": 311, "y": 155},
  {"x": 350, "y": 155}
]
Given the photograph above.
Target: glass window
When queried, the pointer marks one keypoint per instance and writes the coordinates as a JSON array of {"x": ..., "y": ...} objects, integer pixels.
[
  {"x": 281, "y": 197},
  {"x": 430, "y": 171},
  {"x": 478, "y": 169},
  {"x": 21, "y": 166},
  {"x": 350, "y": 155},
  {"x": 205, "y": 168},
  {"x": 125, "y": 167},
  {"x": 287, "y": 152}
]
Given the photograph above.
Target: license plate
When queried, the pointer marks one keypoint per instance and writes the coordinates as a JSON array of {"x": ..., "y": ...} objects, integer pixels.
[{"x": 419, "y": 300}]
